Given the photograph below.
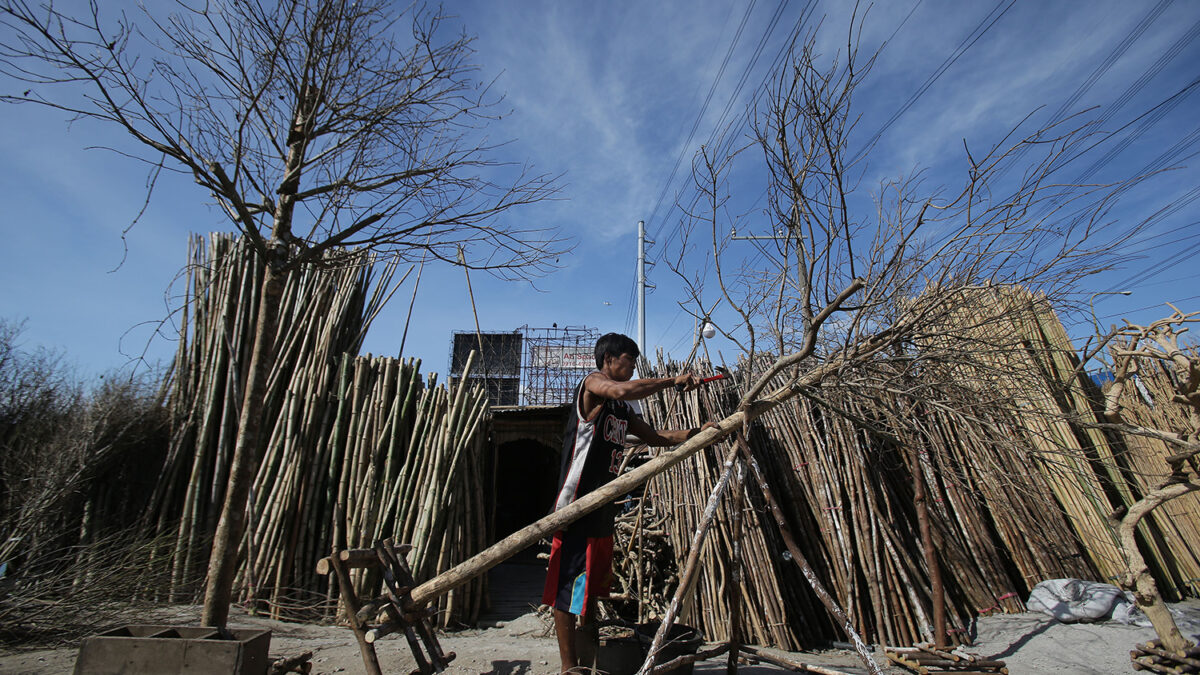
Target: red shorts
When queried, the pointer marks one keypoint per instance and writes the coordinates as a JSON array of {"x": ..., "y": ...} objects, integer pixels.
[{"x": 580, "y": 572}]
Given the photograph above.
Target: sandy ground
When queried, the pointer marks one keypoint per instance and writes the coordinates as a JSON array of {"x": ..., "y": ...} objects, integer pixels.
[{"x": 1028, "y": 643}]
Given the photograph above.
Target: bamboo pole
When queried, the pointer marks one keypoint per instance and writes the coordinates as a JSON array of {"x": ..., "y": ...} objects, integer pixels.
[{"x": 688, "y": 577}]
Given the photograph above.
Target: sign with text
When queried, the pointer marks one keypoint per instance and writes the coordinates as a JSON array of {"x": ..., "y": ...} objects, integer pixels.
[{"x": 576, "y": 358}]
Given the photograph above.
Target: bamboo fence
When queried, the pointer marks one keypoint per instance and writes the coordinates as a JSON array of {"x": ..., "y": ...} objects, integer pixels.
[{"x": 356, "y": 448}]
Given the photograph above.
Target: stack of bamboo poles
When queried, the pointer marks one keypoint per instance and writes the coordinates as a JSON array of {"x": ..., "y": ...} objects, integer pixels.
[
  {"x": 849, "y": 501},
  {"x": 354, "y": 449},
  {"x": 1091, "y": 471},
  {"x": 1077, "y": 460},
  {"x": 323, "y": 315},
  {"x": 397, "y": 460},
  {"x": 1017, "y": 494},
  {"x": 680, "y": 494}
]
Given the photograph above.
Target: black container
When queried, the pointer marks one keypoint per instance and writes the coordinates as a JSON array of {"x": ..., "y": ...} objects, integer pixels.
[
  {"x": 620, "y": 655},
  {"x": 681, "y": 640}
]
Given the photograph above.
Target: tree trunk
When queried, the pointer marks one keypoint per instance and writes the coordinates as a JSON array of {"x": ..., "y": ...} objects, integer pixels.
[
  {"x": 223, "y": 561},
  {"x": 1137, "y": 574}
]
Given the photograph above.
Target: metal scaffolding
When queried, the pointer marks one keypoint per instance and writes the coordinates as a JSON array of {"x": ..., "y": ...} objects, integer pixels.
[
  {"x": 526, "y": 366},
  {"x": 556, "y": 359}
]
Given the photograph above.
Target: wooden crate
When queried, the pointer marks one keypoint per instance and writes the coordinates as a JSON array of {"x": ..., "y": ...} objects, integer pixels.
[{"x": 190, "y": 650}]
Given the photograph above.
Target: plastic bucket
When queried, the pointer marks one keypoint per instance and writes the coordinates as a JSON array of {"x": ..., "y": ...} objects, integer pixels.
[{"x": 681, "y": 640}]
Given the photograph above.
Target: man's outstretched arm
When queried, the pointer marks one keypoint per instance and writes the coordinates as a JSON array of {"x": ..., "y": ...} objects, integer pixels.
[
  {"x": 665, "y": 437},
  {"x": 634, "y": 390}
]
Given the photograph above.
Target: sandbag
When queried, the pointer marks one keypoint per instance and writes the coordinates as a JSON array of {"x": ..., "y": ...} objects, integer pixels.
[{"x": 1072, "y": 600}]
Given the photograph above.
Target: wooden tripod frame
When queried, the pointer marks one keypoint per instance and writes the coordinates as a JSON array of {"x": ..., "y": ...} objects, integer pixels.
[{"x": 395, "y": 602}]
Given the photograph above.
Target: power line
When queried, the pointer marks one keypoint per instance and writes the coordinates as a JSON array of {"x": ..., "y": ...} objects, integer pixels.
[
  {"x": 1113, "y": 56},
  {"x": 703, "y": 109},
  {"x": 979, "y": 31},
  {"x": 1147, "y": 307},
  {"x": 1148, "y": 119},
  {"x": 805, "y": 14},
  {"x": 777, "y": 62},
  {"x": 733, "y": 97},
  {"x": 683, "y": 148},
  {"x": 763, "y": 41}
]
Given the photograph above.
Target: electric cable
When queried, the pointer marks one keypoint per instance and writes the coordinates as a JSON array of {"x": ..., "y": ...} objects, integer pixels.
[{"x": 980, "y": 30}]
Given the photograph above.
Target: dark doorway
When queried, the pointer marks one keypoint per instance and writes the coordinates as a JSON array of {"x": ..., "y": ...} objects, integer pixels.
[{"x": 526, "y": 481}]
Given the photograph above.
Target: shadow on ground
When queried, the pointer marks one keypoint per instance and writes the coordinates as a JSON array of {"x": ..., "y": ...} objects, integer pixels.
[{"x": 510, "y": 668}]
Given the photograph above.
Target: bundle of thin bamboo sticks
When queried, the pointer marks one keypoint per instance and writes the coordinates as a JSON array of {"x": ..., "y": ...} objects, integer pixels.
[
  {"x": 1092, "y": 471},
  {"x": 323, "y": 315},
  {"x": 1018, "y": 494},
  {"x": 396, "y": 460},
  {"x": 849, "y": 500},
  {"x": 355, "y": 449}
]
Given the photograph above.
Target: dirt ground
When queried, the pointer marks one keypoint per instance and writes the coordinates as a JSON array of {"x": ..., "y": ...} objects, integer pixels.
[{"x": 1028, "y": 643}]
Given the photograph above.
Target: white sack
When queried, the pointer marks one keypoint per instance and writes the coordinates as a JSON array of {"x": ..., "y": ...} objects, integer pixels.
[{"x": 1071, "y": 600}]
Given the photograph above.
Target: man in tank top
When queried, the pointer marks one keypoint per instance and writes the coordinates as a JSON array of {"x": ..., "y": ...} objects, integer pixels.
[{"x": 580, "y": 568}]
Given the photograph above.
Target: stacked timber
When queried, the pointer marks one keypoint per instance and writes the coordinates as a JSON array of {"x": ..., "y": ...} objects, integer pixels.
[{"x": 354, "y": 449}]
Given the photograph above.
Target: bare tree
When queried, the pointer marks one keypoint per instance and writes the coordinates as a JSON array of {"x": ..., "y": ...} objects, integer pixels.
[
  {"x": 316, "y": 125},
  {"x": 860, "y": 293},
  {"x": 855, "y": 293},
  {"x": 1157, "y": 344}
]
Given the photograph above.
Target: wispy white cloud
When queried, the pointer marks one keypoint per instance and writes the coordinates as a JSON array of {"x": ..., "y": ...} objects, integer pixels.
[{"x": 607, "y": 93}]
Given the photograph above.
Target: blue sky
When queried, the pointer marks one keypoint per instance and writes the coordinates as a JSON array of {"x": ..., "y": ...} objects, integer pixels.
[{"x": 606, "y": 94}]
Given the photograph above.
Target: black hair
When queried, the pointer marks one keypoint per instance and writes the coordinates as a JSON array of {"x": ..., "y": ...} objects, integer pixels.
[{"x": 614, "y": 345}]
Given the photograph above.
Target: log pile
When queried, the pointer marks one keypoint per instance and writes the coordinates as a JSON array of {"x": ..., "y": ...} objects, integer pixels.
[
  {"x": 356, "y": 448},
  {"x": 1152, "y": 657}
]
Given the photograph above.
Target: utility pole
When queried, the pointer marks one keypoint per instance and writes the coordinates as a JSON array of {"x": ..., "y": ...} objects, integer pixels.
[{"x": 641, "y": 283}]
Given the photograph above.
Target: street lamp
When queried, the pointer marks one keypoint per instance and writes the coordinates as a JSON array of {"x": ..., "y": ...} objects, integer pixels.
[{"x": 1092, "y": 305}]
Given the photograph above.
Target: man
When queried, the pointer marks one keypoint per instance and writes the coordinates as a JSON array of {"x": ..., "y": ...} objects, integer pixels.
[{"x": 593, "y": 445}]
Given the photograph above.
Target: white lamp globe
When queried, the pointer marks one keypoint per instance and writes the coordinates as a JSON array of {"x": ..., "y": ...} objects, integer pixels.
[{"x": 708, "y": 330}]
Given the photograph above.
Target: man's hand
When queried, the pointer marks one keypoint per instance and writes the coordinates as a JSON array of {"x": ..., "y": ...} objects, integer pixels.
[{"x": 686, "y": 382}]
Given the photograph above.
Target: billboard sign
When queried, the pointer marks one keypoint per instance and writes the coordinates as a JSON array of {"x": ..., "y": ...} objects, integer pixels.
[{"x": 573, "y": 358}]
